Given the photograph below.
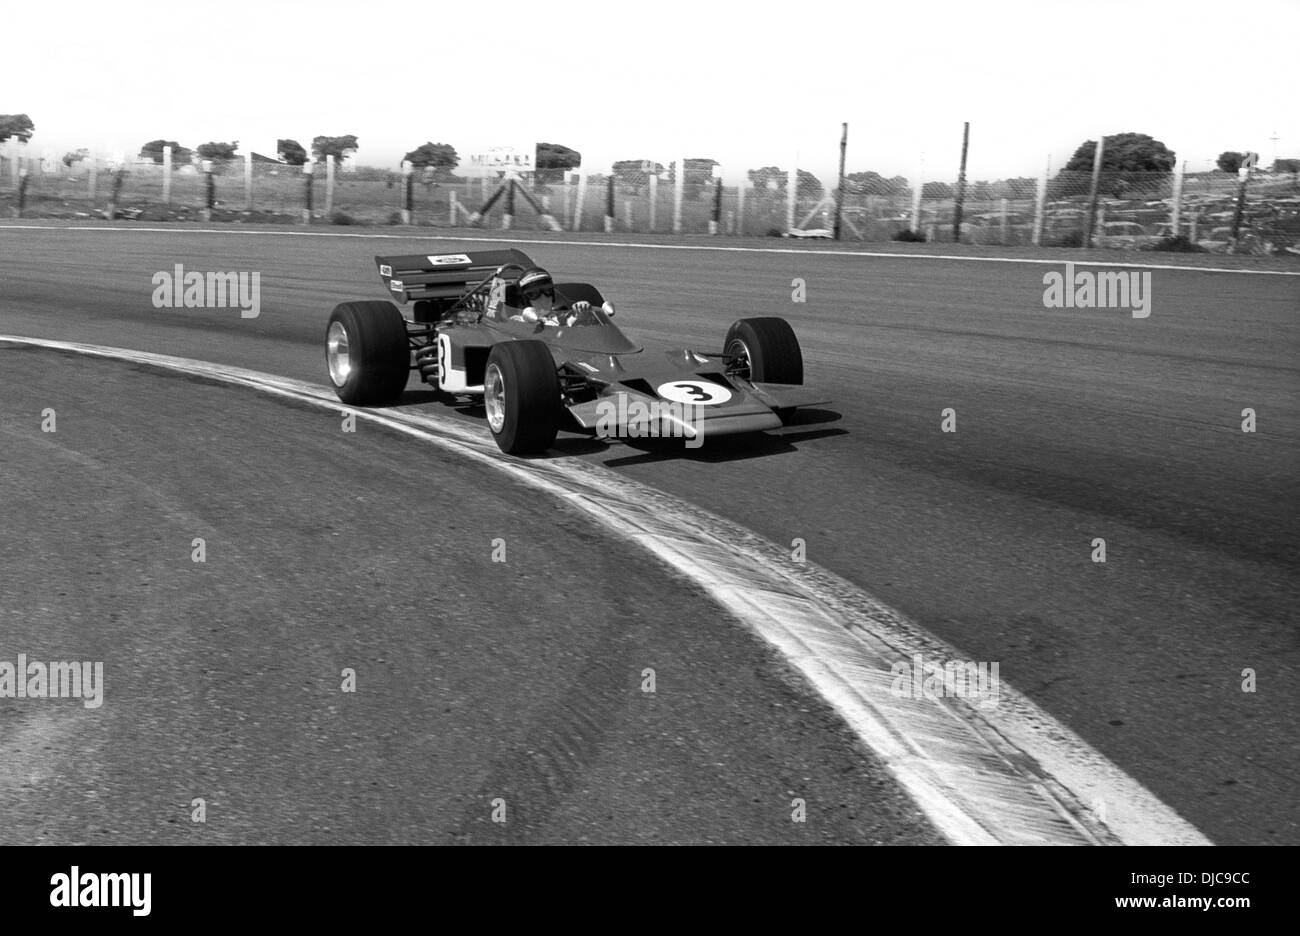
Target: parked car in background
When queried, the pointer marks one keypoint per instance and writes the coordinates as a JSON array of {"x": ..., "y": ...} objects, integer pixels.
[
  {"x": 1123, "y": 235},
  {"x": 1219, "y": 240},
  {"x": 987, "y": 228}
]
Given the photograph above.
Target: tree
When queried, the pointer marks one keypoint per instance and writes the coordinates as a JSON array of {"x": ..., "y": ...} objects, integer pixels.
[
  {"x": 873, "y": 183},
  {"x": 75, "y": 156},
  {"x": 291, "y": 152},
  {"x": 809, "y": 186},
  {"x": 1124, "y": 152},
  {"x": 219, "y": 153},
  {"x": 436, "y": 159},
  {"x": 340, "y": 147},
  {"x": 698, "y": 173},
  {"x": 433, "y": 156},
  {"x": 154, "y": 150},
  {"x": 19, "y": 126},
  {"x": 1286, "y": 165},
  {"x": 768, "y": 179},
  {"x": 937, "y": 190},
  {"x": 553, "y": 160},
  {"x": 699, "y": 170},
  {"x": 1130, "y": 163},
  {"x": 636, "y": 172},
  {"x": 1229, "y": 161},
  {"x": 1021, "y": 188}
]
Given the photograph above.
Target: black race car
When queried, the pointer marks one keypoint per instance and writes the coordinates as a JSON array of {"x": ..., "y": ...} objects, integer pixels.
[{"x": 465, "y": 328}]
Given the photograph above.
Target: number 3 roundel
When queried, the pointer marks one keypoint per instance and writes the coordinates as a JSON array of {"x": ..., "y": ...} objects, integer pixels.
[{"x": 699, "y": 392}]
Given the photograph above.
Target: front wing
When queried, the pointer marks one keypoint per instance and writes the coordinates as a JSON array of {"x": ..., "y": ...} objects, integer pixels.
[{"x": 752, "y": 408}]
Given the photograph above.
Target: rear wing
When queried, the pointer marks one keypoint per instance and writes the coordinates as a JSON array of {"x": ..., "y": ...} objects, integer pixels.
[{"x": 442, "y": 276}]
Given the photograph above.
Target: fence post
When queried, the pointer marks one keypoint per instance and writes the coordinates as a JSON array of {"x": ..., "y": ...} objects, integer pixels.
[
  {"x": 1040, "y": 203},
  {"x": 508, "y": 217},
  {"x": 654, "y": 199},
  {"x": 1244, "y": 172},
  {"x": 740, "y": 209},
  {"x": 581, "y": 197},
  {"x": 167, "y": 175},
  {"x": 1002, "y": 220},
  {"x": 329, "y": 185},
  {"x": 451, "y": 207},
  {"x": 609, "y": 204},
  {"x": 306, "y": 192},
  {"x": 679, "y": 189},
  {"x": 118, "y": 178},
  {"x": 961, "y": 184},
  {"x": 791, "y": 196},
  {"x": 917, "y": 187},
  {"x": 717, "y": 207},
  {"x": 1175, "y": 210},
  {"x": 1092, "y": 191},
  {"x": 248, "y": 181},
  {"x": 22, "y": 193},
  {"x": 94, "y": 178},
  {"x": 408, "y": 192},
  {"x": 209, "y": 191},
  {"x": 839, "y": 187},
  {"x": 627, "y": 213}
]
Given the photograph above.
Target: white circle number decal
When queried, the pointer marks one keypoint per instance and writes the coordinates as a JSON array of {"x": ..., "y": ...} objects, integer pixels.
[{"x": 699, "y": 392}]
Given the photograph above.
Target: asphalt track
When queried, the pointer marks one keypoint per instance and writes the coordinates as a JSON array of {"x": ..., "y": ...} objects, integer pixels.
[{"x": 1072, "y": 425}]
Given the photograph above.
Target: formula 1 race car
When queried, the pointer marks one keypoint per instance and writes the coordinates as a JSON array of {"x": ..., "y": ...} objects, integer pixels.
[{"x": 468, "y": 327}]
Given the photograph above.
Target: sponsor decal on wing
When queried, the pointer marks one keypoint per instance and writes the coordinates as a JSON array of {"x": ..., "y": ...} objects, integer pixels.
[{"x": 449, "y": 260}]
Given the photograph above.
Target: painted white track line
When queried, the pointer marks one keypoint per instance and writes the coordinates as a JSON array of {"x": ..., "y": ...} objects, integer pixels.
[
  {"x": 1006, "y": 774},
  {"x": 631, "y": 244}
]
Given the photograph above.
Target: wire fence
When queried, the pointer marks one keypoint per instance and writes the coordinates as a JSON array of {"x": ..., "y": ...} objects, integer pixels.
[{"x": 1133, "y": 210}]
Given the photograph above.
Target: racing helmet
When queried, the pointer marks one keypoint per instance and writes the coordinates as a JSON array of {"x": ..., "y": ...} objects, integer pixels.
[{"x": 534, "y": 282}]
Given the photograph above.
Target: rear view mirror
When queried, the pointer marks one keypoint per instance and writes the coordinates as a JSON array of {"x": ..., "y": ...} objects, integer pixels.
[{"x": 609, "y": 308}]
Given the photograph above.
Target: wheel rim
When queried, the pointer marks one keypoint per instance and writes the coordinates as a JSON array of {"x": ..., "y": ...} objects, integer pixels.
[
  {"x": 494, "y": 398},
  {"x": 738, "y": 353},
  {"x": 337, "y": 354}
]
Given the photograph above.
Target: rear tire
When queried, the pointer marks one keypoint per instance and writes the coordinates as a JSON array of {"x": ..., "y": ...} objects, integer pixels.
[
  {"x": 770, "y": 349},
  {"x": 521, "y": 394},
  {"x": 366, "y": 353}
]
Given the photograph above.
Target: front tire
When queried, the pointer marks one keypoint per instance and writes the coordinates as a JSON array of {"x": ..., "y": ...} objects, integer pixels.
[
  {"x": 764, "y": 350},
  {"x": 367, "y": 353},
  {"x": 521, "y": 396}
]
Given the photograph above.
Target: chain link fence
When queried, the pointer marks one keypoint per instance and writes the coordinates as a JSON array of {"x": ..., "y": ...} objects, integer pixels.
[{"x": 1133, "y": 210}]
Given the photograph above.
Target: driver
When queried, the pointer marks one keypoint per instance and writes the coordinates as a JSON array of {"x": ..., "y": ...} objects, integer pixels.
[{"x": 537, "y": 292}]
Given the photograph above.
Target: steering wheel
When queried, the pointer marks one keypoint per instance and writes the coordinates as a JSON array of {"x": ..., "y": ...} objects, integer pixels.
[{"x": 579, "y": 316}]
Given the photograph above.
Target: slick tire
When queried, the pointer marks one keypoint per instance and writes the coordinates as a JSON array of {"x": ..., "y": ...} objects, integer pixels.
[
  {"x": 769, "y": 347},
  {"x": 366, "y": 353},
  {"x": 521, "y": 396}
]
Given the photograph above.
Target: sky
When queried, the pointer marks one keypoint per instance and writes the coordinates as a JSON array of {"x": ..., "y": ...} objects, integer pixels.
[{"x": 749, "y": 84}]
